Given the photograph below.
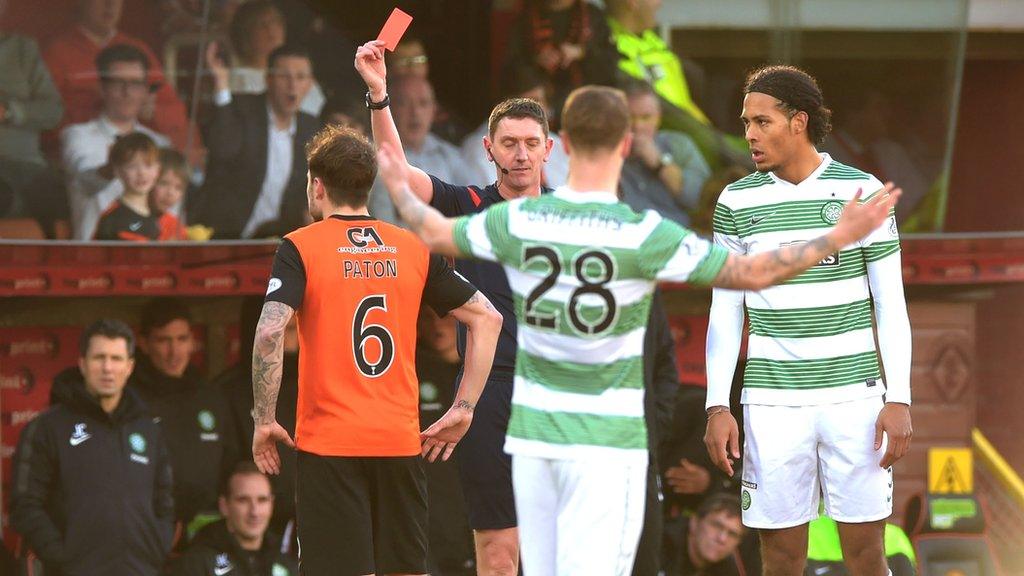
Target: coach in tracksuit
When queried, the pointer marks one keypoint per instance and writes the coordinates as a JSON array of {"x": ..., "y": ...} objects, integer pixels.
[
  {"x": 194, "y": 414},
  {"x": 92, "y": 479}
]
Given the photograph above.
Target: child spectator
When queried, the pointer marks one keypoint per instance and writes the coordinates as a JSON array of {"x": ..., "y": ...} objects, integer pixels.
[
  {"x": 135, "y": 161},
  {"x": 165, "y": 199}
]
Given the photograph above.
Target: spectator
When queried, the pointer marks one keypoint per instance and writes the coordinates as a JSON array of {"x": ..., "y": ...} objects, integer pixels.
[
  {"x": 344, "y": 113},
  {"x": 240, "y": 544},
  {"x": 135, "y": 162},
  {"x": 525, "y": 83},
  {"x": 257, "y": 166},
  {"x": 567, "y": 41},
  {"x": 237, "y": 385},
  {"x": 643, "y": 55},
  {"x": 706, "y": 543},
  {"x": 450, "y": 539},
  {"x": 92, "y": 493},
  {"x": 165, "y": 199},
  {"x": 29, "y": 104},
  {"x": 194, "y": 415},
  {"x": 414, "y": 108},
  {"x": 661, "y": 381},
  {"x": 689, "y": 476},
  {"x": 72, "y": 58},
  {"x": 85, "y": 147},
  {"x": 861, "y": 138},
  {"x": 409, "y": 59},
  {"x": 665, "y": 171},
  {"x": 257, "y": 29},
  {"x": 825, "y": 551}
]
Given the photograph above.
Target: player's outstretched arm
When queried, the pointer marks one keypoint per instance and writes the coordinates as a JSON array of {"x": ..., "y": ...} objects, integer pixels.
[
  {"x": 430, "y": 225},
  {"x": 484, "y": 324},
  {"x": 267, "y": 361},
  {"x": 760, "y": 271},
  {"x": 370, "y": 65}
]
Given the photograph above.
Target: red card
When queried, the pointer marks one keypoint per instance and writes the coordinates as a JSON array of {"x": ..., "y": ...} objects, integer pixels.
[{"x": 394, "y": 28}]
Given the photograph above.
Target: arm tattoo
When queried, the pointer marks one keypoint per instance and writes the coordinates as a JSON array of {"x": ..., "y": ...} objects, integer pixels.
[
  {"x": 465, "y": 404},
  {"x": 267, "y": 360},
  {"x": 775, "y": 266}
]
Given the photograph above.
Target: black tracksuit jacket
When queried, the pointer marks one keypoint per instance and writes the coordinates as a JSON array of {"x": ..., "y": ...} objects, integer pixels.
[
  {"x": 92, "y": 491},
  {"x": 215, "y": 552},
  {"x": 200, "y": 437}
]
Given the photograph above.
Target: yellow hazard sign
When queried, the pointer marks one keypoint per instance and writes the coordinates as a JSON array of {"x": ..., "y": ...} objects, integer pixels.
[{"x": 950, "y": 471}]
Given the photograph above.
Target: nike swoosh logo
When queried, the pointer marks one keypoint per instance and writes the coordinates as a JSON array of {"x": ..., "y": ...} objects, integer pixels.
[
  {"x": 135, "y": 226},
  {"x": 76, "y": 440},
  {"x": 754, "y": 220},
  {"x": 222, "y": 570}
]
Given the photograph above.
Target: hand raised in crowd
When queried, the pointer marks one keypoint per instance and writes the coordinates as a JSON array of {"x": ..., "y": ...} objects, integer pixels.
[
  {"x": 570, "y": 53},
  {"x": 688, "y": 478},
  {"x": 548, "y": 58},
  {"x": 645, "y": 150},
  {"x": 370, "y": 65},
  {"x": 218, "y": 68}
]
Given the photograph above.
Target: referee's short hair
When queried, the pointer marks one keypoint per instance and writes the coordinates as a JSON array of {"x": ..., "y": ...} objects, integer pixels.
[
  {"x": 345, "y": 161},
  {"x": 517, "y": 108},
  {"x": 595, "y": 118}
]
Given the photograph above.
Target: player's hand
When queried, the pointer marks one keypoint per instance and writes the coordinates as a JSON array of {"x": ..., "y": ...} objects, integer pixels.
[
  {"x": 440, "y": 438},
  {"x": 370, "y": 65},
  {"x": 894, "y": 421},
  {"x": 723, "y": 434},
  {"x": 264, "y": 446},
  {"x": 860, "y": 218},
  {"x": 688, "y": 478}
]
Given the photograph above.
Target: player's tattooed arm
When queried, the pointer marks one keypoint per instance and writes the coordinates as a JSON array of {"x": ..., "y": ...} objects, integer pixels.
[
  {"x": 760, "y": 271},
  {"x": 430, "y": 225},
  {"x": 770, "y": 268},
  {"x": 267, "y": 360},
  {"x": 483, "y": 325}
]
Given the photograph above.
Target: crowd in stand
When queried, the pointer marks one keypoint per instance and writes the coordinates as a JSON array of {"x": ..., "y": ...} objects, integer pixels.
[{"x": 238, "y": 170}]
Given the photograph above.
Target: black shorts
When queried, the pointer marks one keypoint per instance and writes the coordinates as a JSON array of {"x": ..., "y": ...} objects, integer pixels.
[
  {"x": 360, "y": 515},
  {"x": 484, "y": 467}
]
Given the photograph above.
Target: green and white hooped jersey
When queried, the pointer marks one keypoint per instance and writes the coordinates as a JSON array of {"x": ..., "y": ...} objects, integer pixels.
[
  {"x": 582, "y": 268},
  {"x": 811, "y": 338}
]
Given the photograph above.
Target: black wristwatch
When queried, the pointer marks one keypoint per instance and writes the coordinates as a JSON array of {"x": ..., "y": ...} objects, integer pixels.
[{"x": 377, "y": 105}]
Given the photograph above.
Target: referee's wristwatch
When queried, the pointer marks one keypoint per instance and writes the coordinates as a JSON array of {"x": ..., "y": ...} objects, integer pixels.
[{"x": 377, "y": 105}]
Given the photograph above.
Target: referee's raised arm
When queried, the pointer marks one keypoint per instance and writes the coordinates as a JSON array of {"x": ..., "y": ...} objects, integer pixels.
[{"x": 370, "y": 65}]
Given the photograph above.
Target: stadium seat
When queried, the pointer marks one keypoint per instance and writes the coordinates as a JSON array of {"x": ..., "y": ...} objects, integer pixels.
[
  {"x": 955, "y": 555},
  {"x": 21, "y": 229}
]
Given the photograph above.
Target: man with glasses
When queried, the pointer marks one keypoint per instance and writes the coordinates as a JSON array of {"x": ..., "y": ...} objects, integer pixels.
[
  {"x": 70, "y": 57},
  {"x": 124, "y": 90},
  {"x": 706, "y": 543},
  {"x": 256, "y": 170}
]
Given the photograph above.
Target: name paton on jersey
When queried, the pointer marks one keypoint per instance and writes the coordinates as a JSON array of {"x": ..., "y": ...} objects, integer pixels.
[{"x": 367, "y": 241}]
